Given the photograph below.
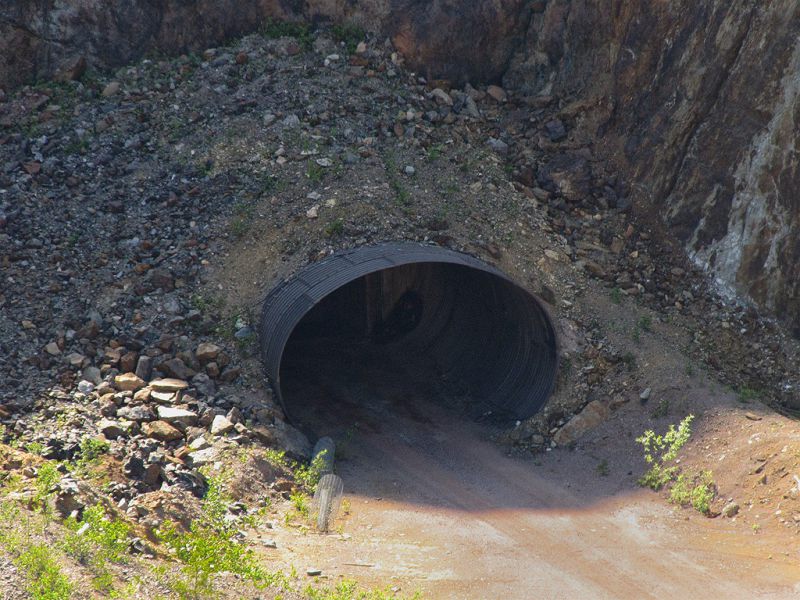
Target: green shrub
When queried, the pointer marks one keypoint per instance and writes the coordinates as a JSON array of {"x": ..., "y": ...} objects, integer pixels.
[
  {"x": 46, "y": 478},
  {"x": 661, "y": 450}
]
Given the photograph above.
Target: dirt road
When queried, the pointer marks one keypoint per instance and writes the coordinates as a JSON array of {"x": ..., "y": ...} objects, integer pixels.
[{"x": 437, "y": 507}]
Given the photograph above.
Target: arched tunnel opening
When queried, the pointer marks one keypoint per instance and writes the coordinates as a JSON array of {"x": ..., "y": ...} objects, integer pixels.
[{"x": 374, "y": 326}]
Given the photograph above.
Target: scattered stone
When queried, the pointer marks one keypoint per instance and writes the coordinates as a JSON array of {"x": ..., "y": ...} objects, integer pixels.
[
  {"x": 730, "y": 510},
  {"x": 207, "y": 352},
  {"x": 111, "y": 429},
  {"x": 179, "y": 416},
  {"x": 555, "y": 130},
  {"x": 220, "y": 425},
  {"x": 198, "y": 458},
  {"x": 144, "y": 367},
  {"x": 52, "y": 349},
  {"x": 161, "y": 431},
  {"x": 92, "y": 374},
  {"x": 168, "y": 385},
  {"x": 752, "y": 416},
  {"x": 313, "y": 572},
  {"x": 442, "y": 97},
  {"x": 498, "y": 93},
  {"x": 111, "y": 89},
  {"x": 199, "y": 443},
  {"x": 136, "y": 413},
  {"x": 645, "y": 395},
  {"x": 590, "y": 417},
  {"x": 498, "y": 146},
  {"x": 128, "y": 382}
]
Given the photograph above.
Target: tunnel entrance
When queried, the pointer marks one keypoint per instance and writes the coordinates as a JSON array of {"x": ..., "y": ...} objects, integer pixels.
[{"x": 414, "y": 318}]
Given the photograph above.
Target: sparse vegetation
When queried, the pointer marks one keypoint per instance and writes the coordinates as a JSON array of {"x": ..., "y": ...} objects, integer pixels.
[
  {"x": 698, "y": 490},
  {"x": 37, "y": 562},
  {"x": 309, "y": 475},
  {"x": 602, "y": 468},
  {"x": 46, "y": 478},
  {"x": 347, "y": 589},
  {"x": 211, "y": 546},
  {"x": 314, "y": 172},
  {"x": 92, "y": 448},
  {"x": 45, "y": 581},
  {"x": 274, "y": 29},
  {"x": 630, "y": 361},
  {"x": 334, "y": 228},
  {"x": 96, "y": 541},
  {"x": 616, "y": 295},
  {"x": 747, "y": 394},
  {"x": 349, "y": 34},
  {"x": 433, "y": 152},
  {"x": 661, "y": 410},
  {"x": 661, "y": 450}
]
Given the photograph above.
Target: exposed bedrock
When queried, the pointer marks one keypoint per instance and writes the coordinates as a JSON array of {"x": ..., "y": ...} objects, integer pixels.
[
  {"x": 461, "y": 41},
  {"x": 698, "y": 103}
]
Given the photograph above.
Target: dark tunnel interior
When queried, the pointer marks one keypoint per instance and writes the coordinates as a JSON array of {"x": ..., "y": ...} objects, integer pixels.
[{"x": 463, "y": 337}]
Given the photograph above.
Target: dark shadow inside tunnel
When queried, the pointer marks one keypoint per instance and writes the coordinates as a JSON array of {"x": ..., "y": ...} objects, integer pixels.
[{"x": 465, "y": 338}]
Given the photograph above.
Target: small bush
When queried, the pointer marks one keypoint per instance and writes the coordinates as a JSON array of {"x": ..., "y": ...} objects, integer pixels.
[
  {"x": 46, "y": 478},
  {"x": 661, "y": 450}
]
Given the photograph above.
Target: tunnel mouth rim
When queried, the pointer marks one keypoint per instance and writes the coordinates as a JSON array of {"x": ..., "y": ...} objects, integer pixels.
[{"x": 286, "y": 303}]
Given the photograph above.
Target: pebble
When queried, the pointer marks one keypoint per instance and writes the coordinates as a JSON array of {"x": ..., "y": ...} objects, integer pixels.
[
  {"x": 111, "y": 89},
  {"x": 498, "y": 93},
  {"x": 442, "y": 97},
  {"x": 730, "y": 510},
  {"x": 645, "y": 395}
]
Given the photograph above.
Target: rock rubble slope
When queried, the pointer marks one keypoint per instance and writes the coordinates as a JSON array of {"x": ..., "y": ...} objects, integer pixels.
[{"x": 144, "y": 213}]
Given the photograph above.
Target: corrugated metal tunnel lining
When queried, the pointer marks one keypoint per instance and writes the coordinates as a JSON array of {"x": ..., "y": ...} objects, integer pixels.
[{"x": 456, "y": 311}]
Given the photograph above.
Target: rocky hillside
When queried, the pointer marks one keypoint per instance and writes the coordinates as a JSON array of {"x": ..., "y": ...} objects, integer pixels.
[
  {"x": 145, "y": 211},
  {"x": 694, "y": 102}
]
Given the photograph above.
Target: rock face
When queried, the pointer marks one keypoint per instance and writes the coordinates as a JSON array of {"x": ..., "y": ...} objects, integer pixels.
[
  {"x": 443, "y": 38},
  {"x": 459, "y": 41},
  {"x": 697, "y": 102},
  {"x": 44, "y": 38}
]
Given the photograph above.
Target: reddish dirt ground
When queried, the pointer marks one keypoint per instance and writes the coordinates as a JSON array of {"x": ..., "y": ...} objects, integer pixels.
[{"x": 437, "y": 507}]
